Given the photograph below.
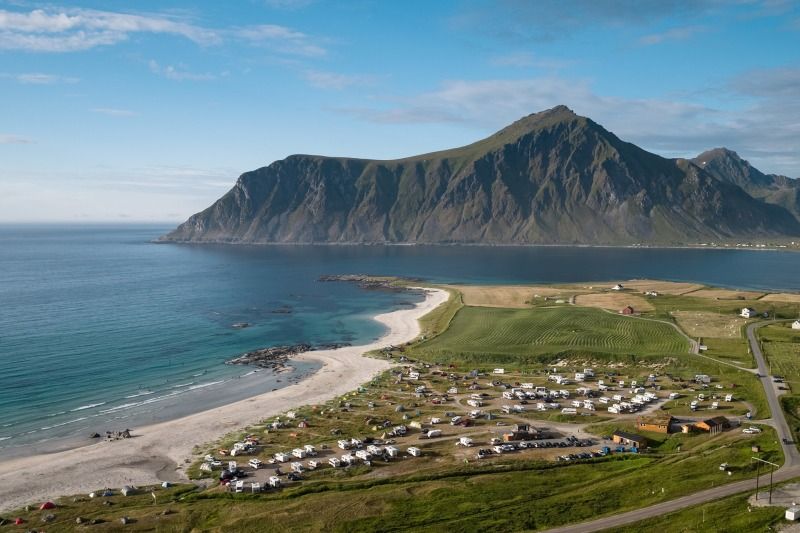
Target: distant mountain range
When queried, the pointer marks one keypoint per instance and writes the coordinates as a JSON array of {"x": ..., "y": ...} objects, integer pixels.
[{"x": 550, "y": 178}]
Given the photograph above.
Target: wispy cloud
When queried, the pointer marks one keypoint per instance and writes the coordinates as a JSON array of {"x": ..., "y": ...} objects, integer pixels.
[
  {"x": 69, "y": 30},
  {"x": 113, "y": 112},
  {"x": 335, "y": 80},
  {"x": 38, "y": 78},
  {"x": 765, "y": 131},
  {"x": 673, "y": 34},
  {"x": 179, "y": 72},
  {"x": 6, "y": 138},
  {"x": 283, "y": 39},
  {"x": 527, "y": 59},
  {"x": 289, "y": 4}
]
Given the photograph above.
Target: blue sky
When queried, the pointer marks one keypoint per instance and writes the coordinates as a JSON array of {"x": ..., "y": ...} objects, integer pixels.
[{"x": 116, "y": 111}]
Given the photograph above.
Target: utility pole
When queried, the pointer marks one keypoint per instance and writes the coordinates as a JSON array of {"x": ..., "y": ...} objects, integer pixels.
[{"x": 771, "y": 470}]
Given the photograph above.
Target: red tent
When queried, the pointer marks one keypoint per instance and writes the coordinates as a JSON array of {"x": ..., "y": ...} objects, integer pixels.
[
  {"x": 19, "y": 522},
  {"x": 47, "y": 505}
]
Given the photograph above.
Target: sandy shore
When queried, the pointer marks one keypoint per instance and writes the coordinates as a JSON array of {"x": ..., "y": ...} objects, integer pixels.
[{"x": 158, "y": 451}]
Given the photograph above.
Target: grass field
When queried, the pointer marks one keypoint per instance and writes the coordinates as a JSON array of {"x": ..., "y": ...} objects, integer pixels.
[
  {"x": 728, "y": 514},
  {"x": 781, "y": 345},
  {"x": 486, "y": 335},
  {"x": 781, "y": 297},
  {"x": 510, "y": 296},
  {"x": 708, "y": 324},
  {"x": 614, "y": 301},
  {"x": 725, "y": 294},
  {"x": 662, "y": 287}
]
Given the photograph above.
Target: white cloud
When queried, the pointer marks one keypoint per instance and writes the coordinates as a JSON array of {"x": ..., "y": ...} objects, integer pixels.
[
  {"x": 113, "y": 112},
  {"x": 38, "y": 78},
  {"x": 178, "y": 72},
  {"x": 281, "y": 38},
  {"x": 673, "y": 34},
  {"x": 6, "y": 138},
  {"x": 69, "y": 30}
]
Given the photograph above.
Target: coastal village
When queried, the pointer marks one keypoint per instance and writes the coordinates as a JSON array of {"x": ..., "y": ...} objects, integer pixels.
[{"x": 421, "y": 413}]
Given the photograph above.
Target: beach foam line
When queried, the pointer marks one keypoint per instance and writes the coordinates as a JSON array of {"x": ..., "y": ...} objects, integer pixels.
[
  {"x": 182, "y": 385},
  {"x": 145, "y": 393},
  {"x": 203, "y": 385},
  {"x": 88, "y": 406},
  {"x": 63, "y": 423}
]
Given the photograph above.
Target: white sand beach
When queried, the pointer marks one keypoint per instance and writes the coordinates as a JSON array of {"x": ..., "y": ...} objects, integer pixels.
[{"x": 157, "y": 453}]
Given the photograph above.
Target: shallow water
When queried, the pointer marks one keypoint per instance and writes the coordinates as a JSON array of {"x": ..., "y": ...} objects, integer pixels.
[{"x": 100, "y": 329}]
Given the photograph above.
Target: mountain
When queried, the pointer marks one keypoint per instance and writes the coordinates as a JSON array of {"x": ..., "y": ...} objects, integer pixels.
[
  {"x": 726, "y": 165},
  {"x": 551, "y": 177}
]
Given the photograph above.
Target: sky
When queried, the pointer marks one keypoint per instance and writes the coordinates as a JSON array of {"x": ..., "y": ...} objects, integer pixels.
[{"x": 149, "y": 111}]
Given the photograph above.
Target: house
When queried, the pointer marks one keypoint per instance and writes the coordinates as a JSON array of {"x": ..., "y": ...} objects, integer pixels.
[
  {"x": 713, "y": 425},
  {"x": 796, "y": 324},
  {"x": 627, "y": 310},
  {"x": 656, "y": 424},
  {"x": 748, "y": 312},
  {"x": 629, "y": 439},
  {"x": 651, "y": 293},
  {"x": 617, "y": 287}
]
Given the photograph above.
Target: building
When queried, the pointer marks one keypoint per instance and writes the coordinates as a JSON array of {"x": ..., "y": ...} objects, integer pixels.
[
  {"x": 796, "y": 324},
  {"x": 617, "y": 287},
  {"x": 713, "y": 425},
  {"x": 629, "y": 439},
  {"x": 656, "y": 424},
  {"x": 748, "y": 312},
  {"x": 627, "y": 310}
]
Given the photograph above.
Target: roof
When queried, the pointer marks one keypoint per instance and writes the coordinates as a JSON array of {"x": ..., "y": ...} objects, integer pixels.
[
  {"x": 716, "y": 421},
  {"x": 656, "y": 419},
  {"x": 630, "y": 436}
]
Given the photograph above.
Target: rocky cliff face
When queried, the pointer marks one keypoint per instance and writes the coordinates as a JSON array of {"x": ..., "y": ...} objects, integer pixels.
[
  {"x": 551, "y": 177},
  {"x": 726, "y": 165}
]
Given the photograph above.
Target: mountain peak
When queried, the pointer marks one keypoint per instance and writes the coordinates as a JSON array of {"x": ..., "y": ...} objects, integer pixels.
[{"x": 717, "y": 154}]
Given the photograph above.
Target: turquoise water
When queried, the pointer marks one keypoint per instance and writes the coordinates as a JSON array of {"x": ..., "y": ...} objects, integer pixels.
[{"x": 100, "y": 329}]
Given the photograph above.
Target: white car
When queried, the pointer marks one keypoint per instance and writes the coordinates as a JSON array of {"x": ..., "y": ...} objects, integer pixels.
[{"x": 751, "y": 430}]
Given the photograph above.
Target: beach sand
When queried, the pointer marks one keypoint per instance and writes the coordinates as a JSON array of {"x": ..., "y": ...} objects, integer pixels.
[{"x": 157, "y": 452}]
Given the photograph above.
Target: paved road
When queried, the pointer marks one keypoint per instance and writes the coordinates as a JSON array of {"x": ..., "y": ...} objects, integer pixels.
[{"x": 789, "y": 470}]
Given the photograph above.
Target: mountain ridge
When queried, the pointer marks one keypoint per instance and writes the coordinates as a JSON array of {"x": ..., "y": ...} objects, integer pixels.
[{"x": 552, "y": 177}]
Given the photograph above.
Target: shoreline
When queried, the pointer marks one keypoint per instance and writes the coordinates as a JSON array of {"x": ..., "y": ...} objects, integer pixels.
[
  {"x": 157, "y": 452},
  {"x": 772, "y": 247}
]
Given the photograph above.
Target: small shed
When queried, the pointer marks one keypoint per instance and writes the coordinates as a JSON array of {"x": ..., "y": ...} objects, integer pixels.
[
  {"x": 629, "y": 439},
  {"x": 713, "y": 425},
  {"x": 796, "y": 324}
]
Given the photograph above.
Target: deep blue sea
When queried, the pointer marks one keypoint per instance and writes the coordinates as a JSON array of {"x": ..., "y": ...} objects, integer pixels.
[{"x": 100, "y": 329}]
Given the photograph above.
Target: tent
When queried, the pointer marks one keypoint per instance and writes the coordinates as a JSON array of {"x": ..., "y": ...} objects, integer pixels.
[
  {"x": 19, "y": 522},
  {"x": 47, "y": 505}
]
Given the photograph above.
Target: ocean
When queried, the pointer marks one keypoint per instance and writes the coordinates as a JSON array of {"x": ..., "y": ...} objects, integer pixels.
[{"x": 101, "y": 329}]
